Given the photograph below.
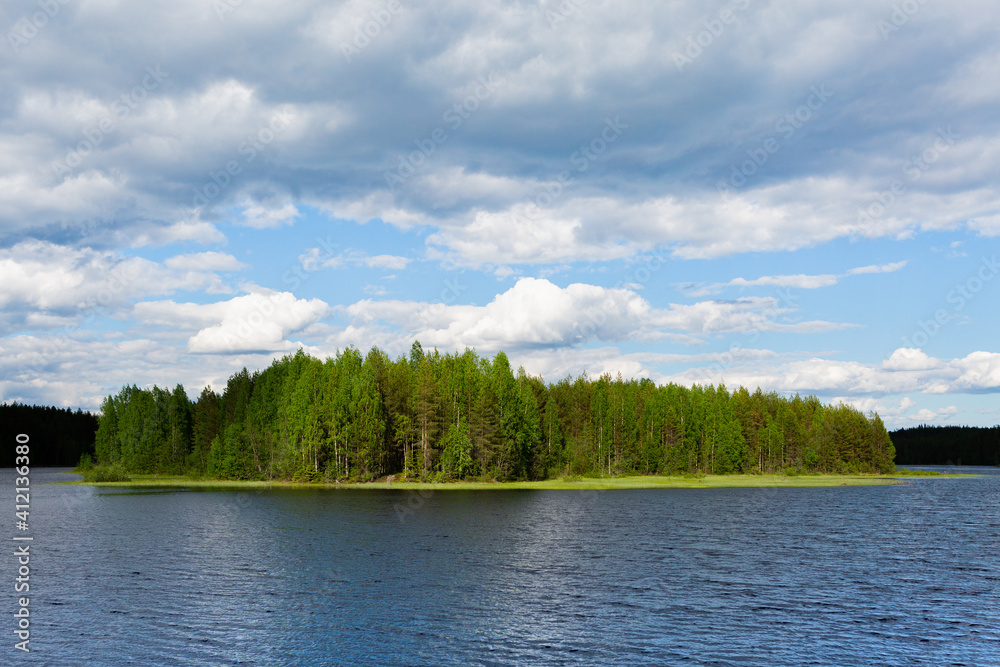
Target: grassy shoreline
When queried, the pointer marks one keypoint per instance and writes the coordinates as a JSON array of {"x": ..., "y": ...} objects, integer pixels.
[{"x": 585, "y": 484}]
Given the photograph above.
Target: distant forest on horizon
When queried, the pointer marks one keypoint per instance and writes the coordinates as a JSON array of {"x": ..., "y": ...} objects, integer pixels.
[
  {"x": 461, "y": 416},
  {"x": 948, "y": 445}
]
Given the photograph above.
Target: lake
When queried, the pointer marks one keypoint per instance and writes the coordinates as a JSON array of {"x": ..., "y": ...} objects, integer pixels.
[{"x": 889, "y": 575}]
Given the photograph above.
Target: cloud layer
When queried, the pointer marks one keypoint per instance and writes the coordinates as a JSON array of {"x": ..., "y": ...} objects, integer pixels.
[
  {"x": 780, "y": 194},
  {"x": 619, "y": 120}
]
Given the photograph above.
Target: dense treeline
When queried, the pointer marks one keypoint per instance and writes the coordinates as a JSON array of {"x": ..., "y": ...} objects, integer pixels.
[
  {"x": 461, "y": 416},
  {"x": 57, "y": 436},
  {"x": 948, "y": 445}
]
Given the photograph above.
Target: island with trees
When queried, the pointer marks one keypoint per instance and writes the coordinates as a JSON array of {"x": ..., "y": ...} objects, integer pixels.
[{"x": 461, "y": 416}]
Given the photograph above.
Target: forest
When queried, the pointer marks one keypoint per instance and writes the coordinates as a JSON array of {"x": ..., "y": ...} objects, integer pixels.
[
  {"x": 460, "y": 416},
  {"x": 948, "y": 445},
  {"x": 58, "y": 436}
]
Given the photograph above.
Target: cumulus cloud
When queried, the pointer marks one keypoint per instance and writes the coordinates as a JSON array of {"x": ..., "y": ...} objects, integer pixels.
[
  {"x": 978, "y": 372},
  {"x": 907, "y": 370},
  {"x": 259, "y": 321},
  {"x": 523, "y": 145},
  {"x": 535, "y": 312},
  {"x": 299, "y": 119},
  {"x": 54, "y": 278},
  {"x": 910, "y": 359}
]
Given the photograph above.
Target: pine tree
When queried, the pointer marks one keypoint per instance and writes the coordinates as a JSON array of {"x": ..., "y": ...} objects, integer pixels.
[
  {"x": 181, "y": 429},
  {"x": 207, "y": 424}
]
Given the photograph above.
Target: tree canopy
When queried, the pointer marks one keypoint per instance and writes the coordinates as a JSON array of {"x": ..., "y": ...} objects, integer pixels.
[{"x": 463, "y": 416}]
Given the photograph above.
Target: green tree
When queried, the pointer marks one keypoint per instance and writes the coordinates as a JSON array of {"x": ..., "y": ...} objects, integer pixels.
[
  {"x": 456, "y": 454},
  {"x": 207, "y": 424}
]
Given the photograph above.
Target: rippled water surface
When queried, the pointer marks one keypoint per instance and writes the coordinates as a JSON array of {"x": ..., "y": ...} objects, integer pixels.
[{"x": 901, "y": 575}]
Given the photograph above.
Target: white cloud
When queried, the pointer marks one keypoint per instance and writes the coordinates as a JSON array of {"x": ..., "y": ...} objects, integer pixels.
[
  {"x": 199, "y": 231},
  {"x": 910, "y": 359},
  {"x": 536, "y": 312},
  {"x": 649, "y": 187},
  {"x": 899, "y": 414},
  {"x": 800, "y": 281},
  {"x": 522, "y": 234},
  {"x": 988, "y": 225},
  {"x": 878, "y": 268},
  {"x": 978, "y": 372},
  {"x": 315, "y": 259},
  {"x": 79, "y": 369},
  {"x": 259, "y": 216},
  {"x": 505, "y": 192},
  {"x": 259, "y": 321},
  {"x": 906, "y": 371},
  {"x": 797, "y": 281},
  {"x": 205, "y": 261},
  {"x": 50, "y": 277},
  {"x": 393, "y": 262},
  {"x": 779, "y": 217}
]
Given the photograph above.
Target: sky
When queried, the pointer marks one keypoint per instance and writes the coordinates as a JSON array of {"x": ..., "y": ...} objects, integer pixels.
[{"x": 797, "y": 195}]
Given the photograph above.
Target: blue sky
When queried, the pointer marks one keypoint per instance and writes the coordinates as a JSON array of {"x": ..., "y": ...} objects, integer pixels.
[{"x": 800, "y": 196}]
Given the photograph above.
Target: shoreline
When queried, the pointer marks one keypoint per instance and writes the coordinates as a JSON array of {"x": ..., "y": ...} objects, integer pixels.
[{"x": 583, "y": 484}]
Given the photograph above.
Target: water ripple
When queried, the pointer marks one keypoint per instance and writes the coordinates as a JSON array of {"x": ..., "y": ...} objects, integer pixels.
[{"x": 902, "y": 575}]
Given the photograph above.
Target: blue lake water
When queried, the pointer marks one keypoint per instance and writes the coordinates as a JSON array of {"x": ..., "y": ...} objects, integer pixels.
[{"x": 901, "y": 575}]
